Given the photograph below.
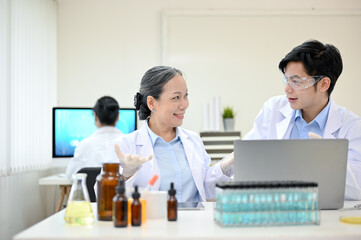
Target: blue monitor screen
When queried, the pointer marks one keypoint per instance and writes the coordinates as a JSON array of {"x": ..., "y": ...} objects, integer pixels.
[{"x": 71, "y": 125}]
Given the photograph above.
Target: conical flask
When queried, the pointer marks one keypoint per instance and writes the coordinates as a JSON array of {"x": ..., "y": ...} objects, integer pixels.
[{"x": 78, "y": 210}]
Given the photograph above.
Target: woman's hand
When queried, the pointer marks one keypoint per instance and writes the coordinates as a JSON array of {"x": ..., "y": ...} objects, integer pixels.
[{"x": 130, "y": 164}]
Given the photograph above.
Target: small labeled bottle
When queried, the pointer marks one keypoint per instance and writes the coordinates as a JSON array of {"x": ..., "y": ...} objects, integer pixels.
[
  {"x": 120, "y": 206},
  {"x": 172, "y": 204},
  {"x": 136, "y": 209}
]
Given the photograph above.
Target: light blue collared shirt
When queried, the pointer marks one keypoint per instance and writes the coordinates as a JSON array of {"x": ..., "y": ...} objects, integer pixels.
[
  {"x": 301, "y": 129},
  {"x": 174, "y": 167}
]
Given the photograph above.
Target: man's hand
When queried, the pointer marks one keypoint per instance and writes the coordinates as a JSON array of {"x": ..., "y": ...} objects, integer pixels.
[
  {"x": 314, "y": 135},
  {"x": 227, "y": 163}
]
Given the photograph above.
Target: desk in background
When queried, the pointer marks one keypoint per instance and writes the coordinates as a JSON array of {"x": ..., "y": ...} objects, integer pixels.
[
  {"x": 64, "y": 185},
  {"x": 194, "y": 224}
]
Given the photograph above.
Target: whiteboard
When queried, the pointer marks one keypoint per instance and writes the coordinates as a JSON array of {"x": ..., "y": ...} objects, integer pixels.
[{"x": 235, "y": 55}]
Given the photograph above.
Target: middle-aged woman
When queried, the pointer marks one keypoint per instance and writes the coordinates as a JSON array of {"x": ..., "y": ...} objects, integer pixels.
[{"x": 179, "y": 154}]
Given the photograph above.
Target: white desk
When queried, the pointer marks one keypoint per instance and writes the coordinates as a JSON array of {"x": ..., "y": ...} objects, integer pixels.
[
  {"x": 194, "y": 225},
  {"x": 64, "y": 184}
]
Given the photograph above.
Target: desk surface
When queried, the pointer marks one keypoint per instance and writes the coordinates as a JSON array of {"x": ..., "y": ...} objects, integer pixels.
[
  {"x": 58, "y": 179},
  {"x": 197, "y": 224}
]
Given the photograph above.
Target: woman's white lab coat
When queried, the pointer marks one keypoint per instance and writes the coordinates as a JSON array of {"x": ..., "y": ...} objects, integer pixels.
[
  {"x": 274, "y": 122},
  {"x": 95, "y": 150},
  {"x": 205, "y": 177}
]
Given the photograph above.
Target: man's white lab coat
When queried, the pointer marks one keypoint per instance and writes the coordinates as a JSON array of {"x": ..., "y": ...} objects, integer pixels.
[
  {"x": 274, "y": 122},
  {"x": 95, "y": 150}
]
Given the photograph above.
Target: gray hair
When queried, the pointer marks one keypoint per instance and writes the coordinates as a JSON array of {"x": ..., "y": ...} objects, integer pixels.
[{"x": 152, "y": 84}]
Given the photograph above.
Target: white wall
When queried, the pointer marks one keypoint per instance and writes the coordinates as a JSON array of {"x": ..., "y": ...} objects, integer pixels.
[
  {"x": 235, "y": 54},
  {"x": 24, "y": 202},
  {"x": 104, "y": 47}
]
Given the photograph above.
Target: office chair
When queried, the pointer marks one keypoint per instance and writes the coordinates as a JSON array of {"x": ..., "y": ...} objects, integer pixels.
[{"x": 92, "y": 173}]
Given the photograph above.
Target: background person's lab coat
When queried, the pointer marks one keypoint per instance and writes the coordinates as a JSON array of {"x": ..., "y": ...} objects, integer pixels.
[
  {"x": 205, "y": 177},
  {"x": 274, "y": 122},
  {"x": 95, "y": 150}
]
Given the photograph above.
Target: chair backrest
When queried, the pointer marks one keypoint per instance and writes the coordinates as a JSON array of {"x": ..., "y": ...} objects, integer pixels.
[{"x": 92, "y": 173}]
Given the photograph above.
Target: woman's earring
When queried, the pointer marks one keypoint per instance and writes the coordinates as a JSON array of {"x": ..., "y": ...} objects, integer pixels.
[{"x": 153, "y": 110}]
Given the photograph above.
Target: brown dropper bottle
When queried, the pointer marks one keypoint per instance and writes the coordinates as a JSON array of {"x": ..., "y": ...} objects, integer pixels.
[
  {"x": 136, "y": 209},
  {"x": 120, "y": 206},
  {"x": 172, "y": 204}
]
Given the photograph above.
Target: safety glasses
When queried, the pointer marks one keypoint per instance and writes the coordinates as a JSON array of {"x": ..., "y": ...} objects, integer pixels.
[{"x": 298, "y": 83}]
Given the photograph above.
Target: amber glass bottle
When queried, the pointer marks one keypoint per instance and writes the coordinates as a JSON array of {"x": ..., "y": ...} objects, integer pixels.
[
  {"x": 120, "y": 206},
  {"x": 136, "y": 206},
  {"x": 172, "y": 204},
  {"x": 106, "y": 183}
]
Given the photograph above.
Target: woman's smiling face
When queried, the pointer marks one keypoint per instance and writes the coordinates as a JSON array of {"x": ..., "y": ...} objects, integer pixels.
[{"x": 171, "y": 106}]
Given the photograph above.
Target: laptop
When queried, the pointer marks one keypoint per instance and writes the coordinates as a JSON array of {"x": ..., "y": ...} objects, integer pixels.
[{"x": 318, "y": 160}]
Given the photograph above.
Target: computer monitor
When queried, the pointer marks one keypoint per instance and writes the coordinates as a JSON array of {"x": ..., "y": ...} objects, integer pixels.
[{"x": 73, "y": 124}]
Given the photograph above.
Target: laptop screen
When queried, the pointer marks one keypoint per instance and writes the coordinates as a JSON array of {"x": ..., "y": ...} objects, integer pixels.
[{"x": 323, "y": 161}]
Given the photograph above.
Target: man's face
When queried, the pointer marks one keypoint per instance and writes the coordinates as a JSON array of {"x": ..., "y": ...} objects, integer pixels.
[{"x": 304, "y": 99}]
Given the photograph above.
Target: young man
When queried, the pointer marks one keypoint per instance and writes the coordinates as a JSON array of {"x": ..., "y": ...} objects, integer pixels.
[{"x": 310, "y": 74}]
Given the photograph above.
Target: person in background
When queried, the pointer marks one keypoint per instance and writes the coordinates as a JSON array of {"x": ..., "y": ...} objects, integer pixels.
[
  {"x": 179, "y": 154},
  {"x": 99, "y": 147},
  {"x": 310, "y": 72}
]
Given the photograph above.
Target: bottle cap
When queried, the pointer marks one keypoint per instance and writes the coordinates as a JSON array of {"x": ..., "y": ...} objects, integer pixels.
[
  {"x": 172, "y": 191},
  {"x": 136, "y": 194},
  {"x": 153, "y": 180},
  {"x": 120, "y": 188}
]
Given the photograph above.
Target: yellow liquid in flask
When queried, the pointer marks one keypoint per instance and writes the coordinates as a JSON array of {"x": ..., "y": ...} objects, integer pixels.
[{"x": 79, "y": 213}]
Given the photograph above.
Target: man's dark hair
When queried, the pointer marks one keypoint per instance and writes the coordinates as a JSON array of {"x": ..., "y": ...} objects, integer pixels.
[
  {"x": 318, "y": 60},
  {"x": 107, "y": 109}
]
